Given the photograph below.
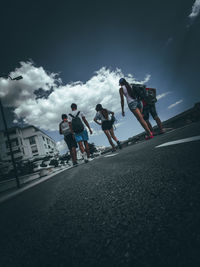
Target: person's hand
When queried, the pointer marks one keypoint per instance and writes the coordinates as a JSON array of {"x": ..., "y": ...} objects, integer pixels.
[
  {"x": 123, "y": 113},
  {"x": 73, "y": 136},
  {"x": 90, "y": 131}
]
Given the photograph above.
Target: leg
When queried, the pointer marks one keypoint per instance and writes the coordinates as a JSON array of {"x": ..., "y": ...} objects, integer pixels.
[
  {"x": 115, "y": 138},
  {"x": 113, "y": 135},
  {"x": 80, "y": 144},
  {"x": 155, "y": 117},
  {"x": 139, "y": 117},
  {"x": 107, "y": 133},
  {"x": 87, "y": 149},
  {"x": 149, "y": 125},
  {"x": 73, "y": 153},
  {"x": 159, "y": 123}
]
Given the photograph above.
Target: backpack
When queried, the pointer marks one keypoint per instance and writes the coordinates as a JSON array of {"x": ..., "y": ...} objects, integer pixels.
[
  {"x": 77, "y": 124},
  {"x": 138, "y": 91},
  {"x": 150, "y": 96}
]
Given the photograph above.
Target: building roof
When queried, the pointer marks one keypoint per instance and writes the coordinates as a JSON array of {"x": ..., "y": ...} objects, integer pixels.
[{"x": 26, "y": 127}]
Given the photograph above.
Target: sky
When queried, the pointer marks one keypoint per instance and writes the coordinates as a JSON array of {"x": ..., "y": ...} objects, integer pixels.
[{"x": 76, "y": 51}]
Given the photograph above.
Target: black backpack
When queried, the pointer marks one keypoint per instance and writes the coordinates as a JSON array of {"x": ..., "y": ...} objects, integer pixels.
[
  {"x": 138, "y": 91},
  {"x": 77, "y": 124}
]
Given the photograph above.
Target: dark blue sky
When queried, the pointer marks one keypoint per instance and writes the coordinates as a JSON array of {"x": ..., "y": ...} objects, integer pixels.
[{"x": 76, "y": 38}]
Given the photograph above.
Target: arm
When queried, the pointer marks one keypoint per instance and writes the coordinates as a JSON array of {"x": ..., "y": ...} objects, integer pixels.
[
  {"x": 87, "y": 124},
  {"x": 60, "y": 130},
  {"x": 70, "y": 127},
  {"x": 122, "y": 101}
]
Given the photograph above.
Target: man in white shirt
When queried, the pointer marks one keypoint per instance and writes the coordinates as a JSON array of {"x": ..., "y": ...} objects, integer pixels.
[
  {"x": 68, "y": 137},
  {"x": 76, "y": 123}
]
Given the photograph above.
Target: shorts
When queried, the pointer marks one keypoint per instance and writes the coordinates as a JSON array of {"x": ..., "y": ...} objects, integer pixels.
[
  {"x": 83, "y": 136},
  {"x": 149, "y": 109},
  {"x": 106, "y": 125},
  {"x": 70, "y": 141},
  {"x": 135, "y": 104}
]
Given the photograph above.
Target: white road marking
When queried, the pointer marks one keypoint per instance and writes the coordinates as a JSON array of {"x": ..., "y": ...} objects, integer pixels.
[
  {"x": 190, "y": 139},
  {"x": 111, "y": 155}
]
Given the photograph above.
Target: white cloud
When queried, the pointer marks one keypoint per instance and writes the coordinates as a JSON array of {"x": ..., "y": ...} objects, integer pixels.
[
  {"x": 162, "y": 95},
  {"x": 96, "y": 132},
  {"x": 195, "y": 9},
  {"x": 102, "y": 88},
  {"x": 175, "y": 104},
  {"x": 61, "y": 145}
]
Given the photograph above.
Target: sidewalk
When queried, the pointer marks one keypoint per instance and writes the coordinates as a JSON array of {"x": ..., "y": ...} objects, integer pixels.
[{"x": 7, "y": 194}]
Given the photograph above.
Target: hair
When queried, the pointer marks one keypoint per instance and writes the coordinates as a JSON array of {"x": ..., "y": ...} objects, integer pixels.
[
  {"x": 73, "y": 106},
  {"x": 64, "y": 116},
  {"x": 128, "y": 87},
  {"x": 103, "y": 111}
]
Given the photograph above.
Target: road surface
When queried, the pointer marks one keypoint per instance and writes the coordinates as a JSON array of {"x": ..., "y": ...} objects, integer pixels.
[{"x": 137, "y": 207}]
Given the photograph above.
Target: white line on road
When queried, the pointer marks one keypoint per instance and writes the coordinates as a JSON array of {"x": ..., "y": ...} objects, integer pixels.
[
  {"x": 111, "y": 155},
  {"x": 190, "y": 139}
]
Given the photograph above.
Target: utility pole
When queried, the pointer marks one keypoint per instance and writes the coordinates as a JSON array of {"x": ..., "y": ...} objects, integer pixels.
[{"x": 8, "y": 137}]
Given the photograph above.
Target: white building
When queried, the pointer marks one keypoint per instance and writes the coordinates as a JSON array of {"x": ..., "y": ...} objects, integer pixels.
[{"x": 27, "y": 143}]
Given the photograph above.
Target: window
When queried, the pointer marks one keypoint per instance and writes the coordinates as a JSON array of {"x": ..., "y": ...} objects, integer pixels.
[
  {"x": 18, "y": 158},
  {"x": 10, "y": 131},
  {"x": 34, "y": 149},
  {"x": 43, "y": 138},
  {"x": 45, "y": 145},
  {"x": 14, "y": 142},
  {"x": 32, "y": 140},
  {"x": 14, "y": 151}
]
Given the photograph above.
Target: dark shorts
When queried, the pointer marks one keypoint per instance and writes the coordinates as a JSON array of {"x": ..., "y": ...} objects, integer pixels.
[
  {"x": 70, "y": 141},
  {"x": 106, "y": 125},
  {"x": 149, "y": 109}
]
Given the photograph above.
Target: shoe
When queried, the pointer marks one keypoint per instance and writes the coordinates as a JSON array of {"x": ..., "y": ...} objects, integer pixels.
[
  {"x": 85, "y": 157},
  {"x": 147, "y": 137},
  {"x": 113, "y": 150},
  {"x": 75, "y": 163},
  {"x": 119, "y": 145}
]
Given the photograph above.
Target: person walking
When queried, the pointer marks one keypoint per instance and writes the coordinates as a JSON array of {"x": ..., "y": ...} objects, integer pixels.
[
  {"x": 134, "y": 104},
  {"x": 106, "y": 123},
  {"x": 64, "y": 129},
  {"x": 76, "y": 123},
  {"x": 150, "y": 108}
]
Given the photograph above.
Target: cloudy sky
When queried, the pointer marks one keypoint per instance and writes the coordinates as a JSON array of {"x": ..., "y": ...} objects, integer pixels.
[{"x": 76, "y": 51}]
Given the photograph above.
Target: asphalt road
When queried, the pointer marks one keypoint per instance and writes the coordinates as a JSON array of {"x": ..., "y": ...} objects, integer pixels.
[{"x": 139, "y": 207}]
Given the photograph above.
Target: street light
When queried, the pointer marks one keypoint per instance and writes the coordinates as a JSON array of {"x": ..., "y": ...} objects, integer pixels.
[{"x": 7, "y": 133}]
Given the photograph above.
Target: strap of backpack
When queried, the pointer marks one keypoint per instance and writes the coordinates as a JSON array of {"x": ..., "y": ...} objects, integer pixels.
[
  {"x": 77, "y": 114},
  {"x": 71, "y": 115}
]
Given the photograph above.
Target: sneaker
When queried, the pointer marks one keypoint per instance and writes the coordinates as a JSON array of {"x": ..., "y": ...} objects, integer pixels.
[
  {"x": 119, "y": 145},
  {"x": 113, "y": 150},
  {"x": 75, "y": 163},
  {"x": 85, "y": 157},
  {"x": 147, "y": 137}
]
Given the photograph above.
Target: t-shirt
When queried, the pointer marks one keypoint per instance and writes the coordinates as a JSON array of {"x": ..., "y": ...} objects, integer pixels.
[
  {"x": 74, "y": 113},
  {"x": 64, "y": 127},
  {"x": 99, "y": 116},
  {"x": 129, "y": 99}
]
